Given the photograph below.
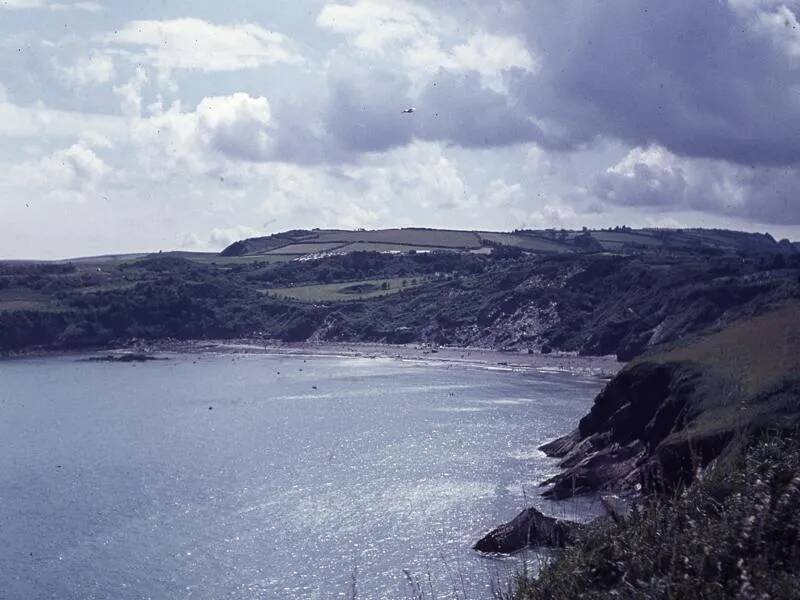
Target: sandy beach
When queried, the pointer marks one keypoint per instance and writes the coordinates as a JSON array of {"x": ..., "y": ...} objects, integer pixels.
[{"x": 595, "y": 366}]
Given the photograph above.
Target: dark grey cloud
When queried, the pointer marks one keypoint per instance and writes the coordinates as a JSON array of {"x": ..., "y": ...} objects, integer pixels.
[
  {"x": 363, "y": 108},
  {"x": 362, "y": 112},
  {"x": 457, "y": 108},
  {"x": 696, "y": 76}
]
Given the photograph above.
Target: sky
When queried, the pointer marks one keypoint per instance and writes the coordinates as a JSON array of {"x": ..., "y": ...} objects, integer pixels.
[{"x": 188, "y": 124}]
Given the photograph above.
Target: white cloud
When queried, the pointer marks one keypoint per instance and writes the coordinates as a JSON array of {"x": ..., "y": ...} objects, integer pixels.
[
  {"x": 190, "y": 43},
  {"x": 377, "y": 25},
  {"x": 500, "y": 194},
  {"x": 130, "y": 94},
  {"x": 782, "y": 27},
  {"x": 414, "y": 36},
  {"x": 40, "y": 121},
  {"x": 76, "y": 166},
  {"x": 74, "y": 169},
  {"x": 225, "y": 237},
  {"x": 55, "y": 6},
  {"x": 94, "y": 69},
  {"x": 219, "y": 129},
  {"x": 655, "y": 177},
  {"x": 490, "y": 54}
]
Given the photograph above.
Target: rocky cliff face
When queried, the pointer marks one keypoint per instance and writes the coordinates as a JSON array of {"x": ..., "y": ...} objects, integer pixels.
[
  {"x": 618, "y": 445},
  {"x": 656, "y": 425},
  {"x": 661, "y": 419}
]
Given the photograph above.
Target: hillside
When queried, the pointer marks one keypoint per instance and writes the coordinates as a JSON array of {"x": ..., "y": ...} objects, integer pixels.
[
  {"x": 318, "y": 243},
  {"x": 508, "y": 298},
  {"x": 669, "y": 412},
  {"x": 702, "y": 441}
]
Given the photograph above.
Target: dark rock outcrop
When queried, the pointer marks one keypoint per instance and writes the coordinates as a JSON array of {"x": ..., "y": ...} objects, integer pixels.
[
  {"x": 658, "y": 422},
  {"x": 128, "y": 357},
  {"x": 528, "y": 528},
  {"x": 634, "y": 435}
]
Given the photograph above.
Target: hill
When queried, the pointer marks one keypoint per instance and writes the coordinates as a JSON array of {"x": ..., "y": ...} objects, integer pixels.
[
  {"x": 592, "y": 302},
  {"x": 318, "y": 243},
  {"x": 702, "y": 440},
  {"x": 670, "y": 412}
]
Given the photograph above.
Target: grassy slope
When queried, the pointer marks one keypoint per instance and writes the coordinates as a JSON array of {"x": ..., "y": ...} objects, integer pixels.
[
  {"x": 756, "y": 353},
  {"x": 342, "y": 291},
  {"x": 735, "y": 532},
  {"x": 745, "y": 362}
]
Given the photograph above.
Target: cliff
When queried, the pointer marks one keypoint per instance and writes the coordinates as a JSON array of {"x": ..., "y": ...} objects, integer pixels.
[{"x": 666, "y": 416}]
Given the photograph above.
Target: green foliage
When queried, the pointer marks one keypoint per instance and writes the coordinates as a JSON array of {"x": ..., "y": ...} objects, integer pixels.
[
  {"x": 593, "y": 303},
  {"x": 735, "y": 533}
]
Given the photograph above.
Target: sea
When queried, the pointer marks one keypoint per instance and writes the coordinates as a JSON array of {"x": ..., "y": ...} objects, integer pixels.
[{"x": 248, "y": 476}]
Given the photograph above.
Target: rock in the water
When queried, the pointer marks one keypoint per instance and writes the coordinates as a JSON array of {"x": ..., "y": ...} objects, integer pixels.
[
  {"x": 528, "y": 528},
  {"x": 128, "y": 357},
  {"x": 598, "y": 471},
  {"x": 562, "y": 446}
]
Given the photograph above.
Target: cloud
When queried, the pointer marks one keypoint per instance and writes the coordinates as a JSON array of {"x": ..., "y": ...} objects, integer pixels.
[
  {"x": 457, "y": 108},
  {"x": 411, "y": 185},
  {"x": 703, "y": 79},
  {"x": 130, "y": 93},
  {"x": 490, "y": 54},
  {"x": 413, "y": 36},
  {"x": 67, "y": 172},
  {"x": 194, "y": 44},
  {"x": 41, "y": 122},
  {"x": 222, "y": 237},
  {"x": 93, "y": 69},
  {"x": 74, "y": 167},
  {"x": 362, "y": 112},
  {"x": 222, "y": 128},
  {"x": 781, "y": 26},
  {"x": 655, "y": 178},
  {"x": 378, "y": 25},
  {"x": 55, "y": 6}
]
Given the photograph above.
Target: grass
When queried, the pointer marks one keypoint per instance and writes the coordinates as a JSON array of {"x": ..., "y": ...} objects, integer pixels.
[
  {"x": 735, "y": 533},
  {"x": 528, "y": 242},
  {"x": 756, "y": 353},
  {"x": 379, "y": 247},
  {"x": 303, "y": 248},
  {"x": 25, "y": 299},
  {"x": 208, "y": 258},
  {"x": 372, "y": 288},
  {"x": 411, "y": 237}
]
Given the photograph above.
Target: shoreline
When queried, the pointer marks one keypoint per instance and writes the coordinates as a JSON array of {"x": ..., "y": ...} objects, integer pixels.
[{"x": 592, "y": 366}]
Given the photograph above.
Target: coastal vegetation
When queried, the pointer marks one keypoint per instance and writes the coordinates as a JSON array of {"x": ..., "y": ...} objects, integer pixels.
[
  {"x": 620, "y": 301},
  {"x": 735, "y": 533},
  {"x": 701, "y": 440}
]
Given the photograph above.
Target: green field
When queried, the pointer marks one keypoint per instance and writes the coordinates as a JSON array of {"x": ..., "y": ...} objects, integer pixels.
[
  {"x": 24, "y": 299},
  {"x": 756, "y": 353},
  {"x": 408, "y": 237},
  {"x": 303, "y": 248},
  {"x": 350, "y": 290},
  {"x": 527, "y": 242},
  {"x": 378, "y": 247}
]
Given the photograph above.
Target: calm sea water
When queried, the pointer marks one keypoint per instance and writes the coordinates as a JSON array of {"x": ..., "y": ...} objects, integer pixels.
[{"x": 252, "y": 476}]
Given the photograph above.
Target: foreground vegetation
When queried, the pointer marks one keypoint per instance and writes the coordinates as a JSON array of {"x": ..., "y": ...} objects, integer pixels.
[{"x": 734, "y": 533}]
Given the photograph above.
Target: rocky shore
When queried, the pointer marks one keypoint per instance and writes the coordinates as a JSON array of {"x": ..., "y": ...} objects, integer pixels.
[{"x": 662, "y": 421}]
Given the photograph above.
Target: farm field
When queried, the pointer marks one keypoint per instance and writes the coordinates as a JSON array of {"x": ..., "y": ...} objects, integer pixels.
[
  {"x": 411, "y": 237},
  {"x": 527, "y": 242},
  {"x": 25, "y": 299},
  {"x": 350, "y": 290}
]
